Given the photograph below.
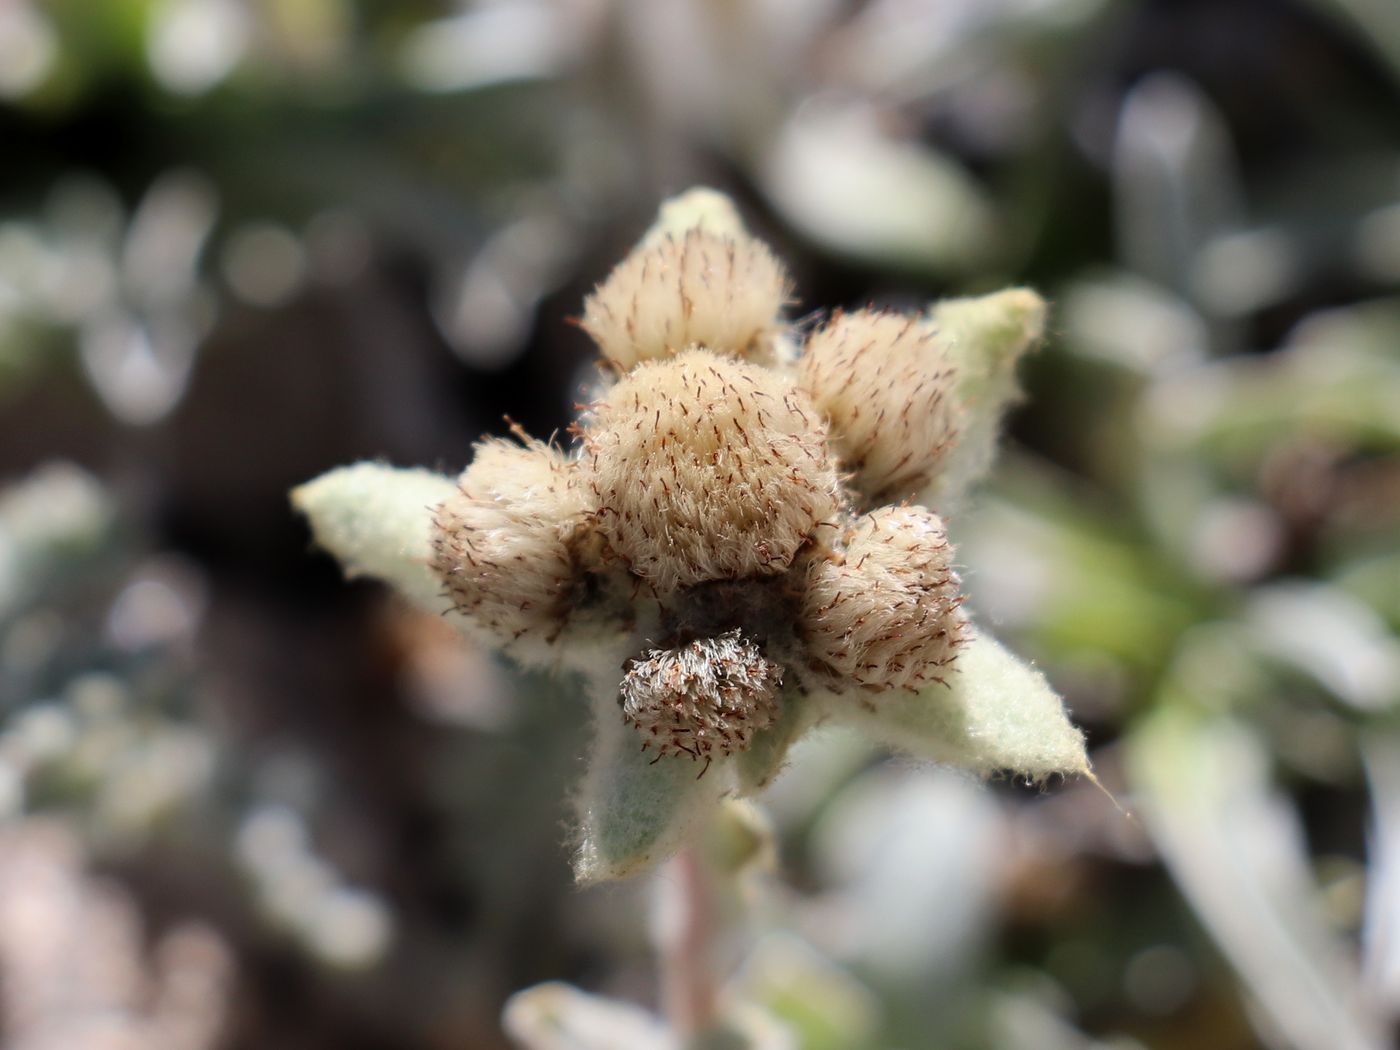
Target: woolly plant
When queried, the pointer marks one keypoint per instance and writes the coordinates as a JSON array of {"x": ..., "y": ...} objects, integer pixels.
[{"x": 745, "y": 541}]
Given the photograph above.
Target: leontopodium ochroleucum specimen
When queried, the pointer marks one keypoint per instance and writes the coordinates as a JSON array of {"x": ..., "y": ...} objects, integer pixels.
[{"x": 744, "y": 541}]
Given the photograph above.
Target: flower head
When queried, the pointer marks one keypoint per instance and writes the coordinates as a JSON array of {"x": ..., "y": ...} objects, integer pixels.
[
  {"x": 706, "y": 468},
  {"x": 745, "y": 542}
]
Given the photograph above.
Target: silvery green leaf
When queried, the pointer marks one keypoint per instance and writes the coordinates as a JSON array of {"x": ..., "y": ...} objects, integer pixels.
[
  {"x": 1028, "y": 1018},
  {"x": 1327, "y": 634},
  {"x": 1175, "y": 178},
  {"x": 1374, "y": 578},
  {"x": 757, "y": 767},
  {"x": 1236, "y": 848},
  {"x": 634, "y": 809},
  {"x": 744, "y": 1026},
  {"x": 842, "y": 180},
  {"x": 824, "y": 1003},
  {"x": 1244, "y": 405},
  {"x": 1380, "y": 935},
  {"x": 739, "y": 838},
  {"x": 377, "y": 521},
  {"x": 893, "y": 847},
  {"x": 56, "y": 516},
  {"x": 996, "y": 714},
  {"x": 1131, "y": 323},
  {"x": 557, "y": 1016},
  {"x": 987, "y": 336}
]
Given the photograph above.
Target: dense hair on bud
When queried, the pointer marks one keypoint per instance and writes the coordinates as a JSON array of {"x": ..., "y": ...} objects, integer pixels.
[
  {"x": 885, "y": 611},
  {"x": 885, "y": 382},
  {"x": 502, "y": 543},
  {"x": 706, "y": 468},
  {"x": 709, "y": 696},
  {"x": 718, "y": 291}
]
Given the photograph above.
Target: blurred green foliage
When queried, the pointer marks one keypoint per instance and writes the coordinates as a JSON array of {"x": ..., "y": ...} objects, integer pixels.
[{"x": 243, "y": 242}]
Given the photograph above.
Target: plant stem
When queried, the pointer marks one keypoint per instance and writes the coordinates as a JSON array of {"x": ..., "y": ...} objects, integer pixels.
[{"x": 689, "y": 989}]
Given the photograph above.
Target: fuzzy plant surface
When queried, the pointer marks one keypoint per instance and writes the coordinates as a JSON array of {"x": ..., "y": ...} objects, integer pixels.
[{"x": 744, "y": 542}]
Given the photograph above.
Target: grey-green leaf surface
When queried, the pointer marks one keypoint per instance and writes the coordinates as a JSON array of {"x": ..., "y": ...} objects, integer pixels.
[
  {"x": 1236, "y": 849},
  {"x": 986, "y": 336},
  {"x": 996, "y": 714},
  {"x": 377, "y": 520},
  {"x": 633, "y": 809}
]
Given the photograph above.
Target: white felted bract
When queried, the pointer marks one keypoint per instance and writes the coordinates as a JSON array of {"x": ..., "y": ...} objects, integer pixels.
[
  {"x": 378, "y": 520},
  {"x": 996, "y": 714},
  {"x": 884, "y": 611},
  {"x": 706, "y": 468},
  {"x": 698, "y": 208},
  {"x": 885, "y": 382},
  {"x": 503, "y": 541},
  {"x": 986, "y": 336},
  {"x": 721, "y": 291},
  {"x": 707, "y": 697},
  {"x": 634, "y": 810}
]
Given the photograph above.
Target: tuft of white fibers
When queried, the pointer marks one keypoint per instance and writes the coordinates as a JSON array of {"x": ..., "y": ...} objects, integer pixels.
[
  {"x": 884, "y": 611},
  {"x": 723, "y": 291},
  {"x": 504, "y": 543},
  {"x": 886, "y": 383},
  {"x": 706, "y": 468},
  {"x": 710, "y": 695}
]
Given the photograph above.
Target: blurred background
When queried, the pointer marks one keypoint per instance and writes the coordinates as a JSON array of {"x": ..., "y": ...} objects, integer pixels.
[{"x": 244, "y": 804}]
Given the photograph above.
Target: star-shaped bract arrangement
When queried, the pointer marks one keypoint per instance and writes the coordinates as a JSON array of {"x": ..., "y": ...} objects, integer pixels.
[{"x": 740, "y": 546}]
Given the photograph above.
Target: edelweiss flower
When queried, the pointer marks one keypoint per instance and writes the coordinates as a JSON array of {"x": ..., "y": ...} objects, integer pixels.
[{"x": 743, "y": 544}]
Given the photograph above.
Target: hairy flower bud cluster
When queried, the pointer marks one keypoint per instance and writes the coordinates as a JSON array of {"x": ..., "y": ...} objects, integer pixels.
[
  {"x": 718, "y": 554},
  {"x": 725, "y": 499}
]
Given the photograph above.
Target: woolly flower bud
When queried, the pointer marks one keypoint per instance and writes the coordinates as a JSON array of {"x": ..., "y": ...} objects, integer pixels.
[
  {"x": 502, "y": 543},
  {"x": 709, "y": 696},
  {"x": 886, "y": 384},
  {"x": 706, "y": 468},
  {"x": 887, "y": 614},
  {"x": 719, "y": 291}
]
